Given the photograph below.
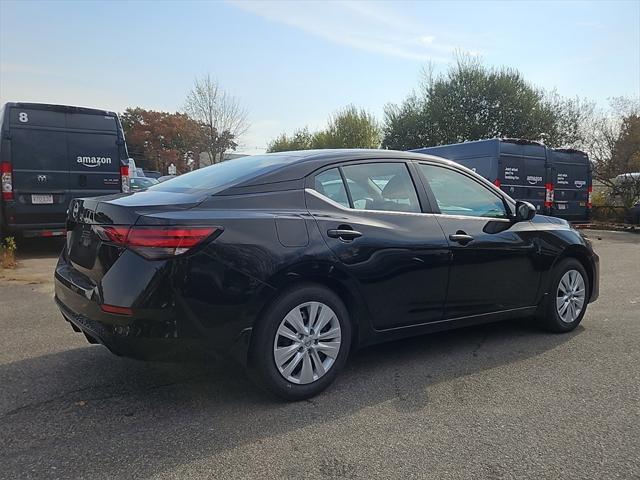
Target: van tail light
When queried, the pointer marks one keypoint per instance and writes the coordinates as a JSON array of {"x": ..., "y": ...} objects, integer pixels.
[
  {"x": 548, "y": 198},
  {"x": 7, "y": 181},
  {"x": 496, "y": 182},
  {"x": 158, "y": 242},
  {"x": 589, "y": 197},
  {"x": 124, "y": 175}
]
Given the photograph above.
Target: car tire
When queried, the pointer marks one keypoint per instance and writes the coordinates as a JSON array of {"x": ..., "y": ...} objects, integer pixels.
[
  {"x": 320, "y": 346},
  {"x": 568, "y": 297}
]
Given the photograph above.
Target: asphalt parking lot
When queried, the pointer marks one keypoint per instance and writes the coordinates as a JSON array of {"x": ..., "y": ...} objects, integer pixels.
[{"x": 497, "y": 401}]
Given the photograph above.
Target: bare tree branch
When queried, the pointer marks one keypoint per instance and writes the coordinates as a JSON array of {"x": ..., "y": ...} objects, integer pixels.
[{"x": 223, "y": 118}]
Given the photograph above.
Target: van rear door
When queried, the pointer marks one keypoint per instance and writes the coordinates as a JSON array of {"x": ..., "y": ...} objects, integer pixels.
[
  {"x": 523, "y": 171},
  {"x": 38, "y": 152},
  {"x": 572, "y": 178},
  {"x": 94, "y": 154}
]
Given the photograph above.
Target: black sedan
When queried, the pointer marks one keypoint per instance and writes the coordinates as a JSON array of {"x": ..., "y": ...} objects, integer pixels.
[{"x": 290, "y": 261}]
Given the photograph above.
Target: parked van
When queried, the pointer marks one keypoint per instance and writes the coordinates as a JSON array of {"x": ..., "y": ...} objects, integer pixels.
[
  {"x": 518, "y": 167},
  {"x": 50, "y": 154},
  {"x": 557, "y": 182}
]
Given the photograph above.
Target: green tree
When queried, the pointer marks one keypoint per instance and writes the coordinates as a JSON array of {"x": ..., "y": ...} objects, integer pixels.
[
  {"x": 347, "y": 128},
  {"x": 614, "y": 149},
  {"x": 472, "y": 101},
  {"x": 300, "y": 140}
]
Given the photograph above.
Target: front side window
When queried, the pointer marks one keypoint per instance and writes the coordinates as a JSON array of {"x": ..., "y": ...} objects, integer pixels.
[
  {"x": 457, "y": 194},
  {"x": 381, "y": 186}
]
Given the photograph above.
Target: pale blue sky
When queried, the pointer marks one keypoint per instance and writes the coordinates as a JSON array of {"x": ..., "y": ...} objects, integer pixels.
[{"x": 293, "y": 63}]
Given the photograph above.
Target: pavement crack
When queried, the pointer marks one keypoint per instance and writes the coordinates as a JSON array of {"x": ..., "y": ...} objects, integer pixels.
[
  {"x": 396, "y": 385},
  {"x": 480, "y": 344}
]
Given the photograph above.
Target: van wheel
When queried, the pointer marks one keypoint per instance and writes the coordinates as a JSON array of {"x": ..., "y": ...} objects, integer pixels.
[
  {"x": 568, "y": 297},
  {"x": 300, "y": 343}
]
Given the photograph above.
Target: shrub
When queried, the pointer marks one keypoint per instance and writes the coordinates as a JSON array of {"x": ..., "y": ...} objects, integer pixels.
[{"x": 8, "y": 249}]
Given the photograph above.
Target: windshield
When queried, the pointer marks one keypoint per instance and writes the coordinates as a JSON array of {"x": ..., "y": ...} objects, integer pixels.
[{"x": 216, "y": 178}]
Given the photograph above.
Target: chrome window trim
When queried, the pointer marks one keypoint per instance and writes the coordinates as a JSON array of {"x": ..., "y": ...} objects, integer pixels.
[
  {"x": 313, "y": 192},
  {"x": 317, "y": 194}
]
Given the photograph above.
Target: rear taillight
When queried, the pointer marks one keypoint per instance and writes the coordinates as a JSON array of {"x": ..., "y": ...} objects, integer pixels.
[
  {"x": 7, "y": 181},
  {"x": 548, "y": 199},
  {"x": 589, "y": 197},
  {"x": 124, "y": 176},
  {"x": 496, "y": 182},
  {"x": 158, "y": 242}
]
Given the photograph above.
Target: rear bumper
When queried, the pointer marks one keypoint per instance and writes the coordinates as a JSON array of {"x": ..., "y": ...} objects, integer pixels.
[
  {"x": 122, "y": 340},
  {"x": 148, "y": 333},
  {"x": 37, "y": 229}
]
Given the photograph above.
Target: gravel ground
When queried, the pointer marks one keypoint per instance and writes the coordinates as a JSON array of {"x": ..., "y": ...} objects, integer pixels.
[{"x": 498, "y": 401}]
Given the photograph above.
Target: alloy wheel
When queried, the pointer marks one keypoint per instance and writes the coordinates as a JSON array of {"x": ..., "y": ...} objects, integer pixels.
[
  {"x": 570, "y": 296},
  {"x": 307, "y": 342}
]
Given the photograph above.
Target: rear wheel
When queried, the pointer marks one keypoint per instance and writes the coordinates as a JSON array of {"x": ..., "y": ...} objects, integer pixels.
[
  {"x": 568, "y": 296},
  {"x": 301, "y": 342}
]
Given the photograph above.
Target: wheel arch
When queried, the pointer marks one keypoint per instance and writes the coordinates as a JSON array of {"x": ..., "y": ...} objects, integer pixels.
[
  {"x": 580, "y": 253},
  {"x": 339, "y": 284}
]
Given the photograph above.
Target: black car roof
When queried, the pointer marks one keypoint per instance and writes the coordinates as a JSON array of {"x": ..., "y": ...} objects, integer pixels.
[{"x": 301, "y": 163}]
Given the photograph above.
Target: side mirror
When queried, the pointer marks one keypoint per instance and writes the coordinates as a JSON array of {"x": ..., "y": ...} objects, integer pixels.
[{"x": 525, "y": 211}]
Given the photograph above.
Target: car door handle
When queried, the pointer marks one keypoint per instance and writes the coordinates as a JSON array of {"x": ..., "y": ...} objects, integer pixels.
[
  {"x": 461, "y": 238},
  {"x": 344, "y": 234}
]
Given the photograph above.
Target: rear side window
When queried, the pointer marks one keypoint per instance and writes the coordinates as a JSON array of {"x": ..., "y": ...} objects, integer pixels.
[
  {"x": 381, "y": 186},
  {"x": 457, "y": 194},
  {"x": 330, "y": 185}
]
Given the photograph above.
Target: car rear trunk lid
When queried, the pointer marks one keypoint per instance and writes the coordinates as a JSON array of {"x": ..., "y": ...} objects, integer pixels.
[{"x": 88, "y": 249}]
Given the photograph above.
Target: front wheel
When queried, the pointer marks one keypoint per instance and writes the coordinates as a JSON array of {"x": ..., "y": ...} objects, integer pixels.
[
  {"x": 568, "y": 297},
  {"x": 301, "y": 342}
]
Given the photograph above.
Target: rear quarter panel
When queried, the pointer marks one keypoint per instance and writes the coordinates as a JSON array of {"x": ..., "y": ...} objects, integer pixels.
[{"x": 266, "y": 246}]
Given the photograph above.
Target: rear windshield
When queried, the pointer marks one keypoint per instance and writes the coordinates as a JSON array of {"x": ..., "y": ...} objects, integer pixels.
[{"x": 220, "y": 176}]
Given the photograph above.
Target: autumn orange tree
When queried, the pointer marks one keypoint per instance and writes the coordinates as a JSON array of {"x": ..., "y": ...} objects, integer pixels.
[{"x": 157, "y": 139}]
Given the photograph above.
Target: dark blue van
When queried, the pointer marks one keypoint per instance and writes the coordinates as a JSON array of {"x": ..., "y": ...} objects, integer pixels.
[
  {"x": 518, "y": 167},
  {"x": 557, "y": 182},
  {"x": 50, "y": 154}
]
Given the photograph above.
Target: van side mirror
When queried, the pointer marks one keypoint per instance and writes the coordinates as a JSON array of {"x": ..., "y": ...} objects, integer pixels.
[{"x": 525, "y": 211}]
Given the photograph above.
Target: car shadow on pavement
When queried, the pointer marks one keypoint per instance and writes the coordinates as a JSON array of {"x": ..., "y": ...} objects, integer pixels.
[{"x": 84, "y": 413}]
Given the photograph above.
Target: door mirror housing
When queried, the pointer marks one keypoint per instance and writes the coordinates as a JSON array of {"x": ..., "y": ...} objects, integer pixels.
[{"x": 525, "y": 211}]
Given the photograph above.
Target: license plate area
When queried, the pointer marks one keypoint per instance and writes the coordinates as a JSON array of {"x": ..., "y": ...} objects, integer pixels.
[
  {"x": 42, "y": 199},
  {"x": 84, "y": 246},
  {"x": 562, "y": 206}
]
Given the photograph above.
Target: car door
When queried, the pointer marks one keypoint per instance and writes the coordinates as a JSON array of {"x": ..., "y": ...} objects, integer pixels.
[
  {"x": 371, "y": 218},
  {"x": 493, "y": 263}
]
